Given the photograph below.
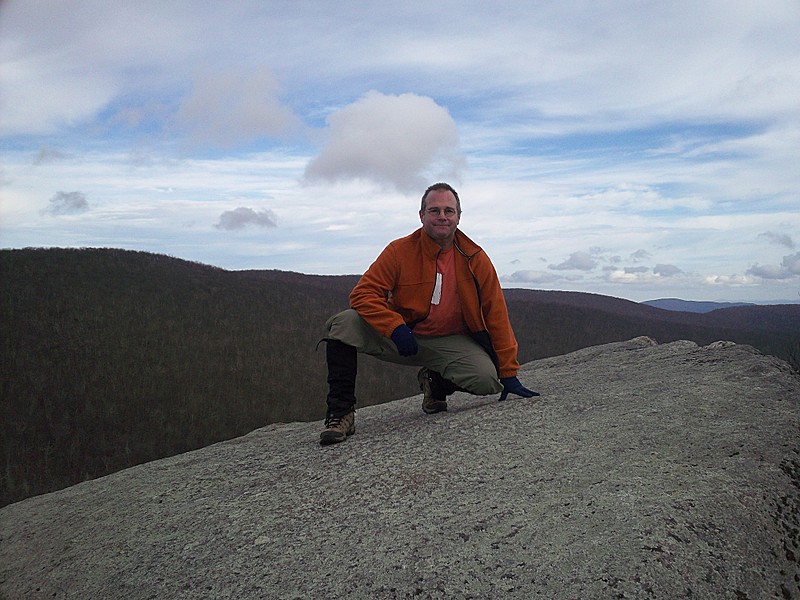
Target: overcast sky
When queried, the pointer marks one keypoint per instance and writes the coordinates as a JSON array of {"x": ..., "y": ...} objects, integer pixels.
[{"x": 639, "y": 149}]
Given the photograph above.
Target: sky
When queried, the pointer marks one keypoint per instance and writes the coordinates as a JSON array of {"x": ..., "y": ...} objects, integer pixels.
[{"x": 632, "y": 148}]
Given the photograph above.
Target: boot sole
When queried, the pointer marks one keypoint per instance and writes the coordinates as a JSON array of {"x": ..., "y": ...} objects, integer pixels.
[
  {"x": 436, "y": 408},
  {"x": 332, "y": 438}
]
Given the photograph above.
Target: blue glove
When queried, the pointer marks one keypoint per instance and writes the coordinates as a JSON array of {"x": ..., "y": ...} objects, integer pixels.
[
  {"x": 405, "y": 341},
  {"x": 511, "y": 385}
]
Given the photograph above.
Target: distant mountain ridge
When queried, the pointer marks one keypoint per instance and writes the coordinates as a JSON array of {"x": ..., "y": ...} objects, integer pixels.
[
  {"x": 110, "y": 358},
  {"x": 694, "y": 306}
]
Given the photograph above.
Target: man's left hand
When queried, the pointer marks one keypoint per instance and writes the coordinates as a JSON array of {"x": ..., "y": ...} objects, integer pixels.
[{"x": 511, "y": 385}]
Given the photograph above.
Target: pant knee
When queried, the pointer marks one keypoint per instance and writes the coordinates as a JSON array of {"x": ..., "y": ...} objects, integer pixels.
[
  {"x": 482, "y": 385},
  {"x": 347, "y": 327},
  {"x": 480, "y": 380},
  {"x": 350, "y": 328},
  {"x": 341, "y": 322}
]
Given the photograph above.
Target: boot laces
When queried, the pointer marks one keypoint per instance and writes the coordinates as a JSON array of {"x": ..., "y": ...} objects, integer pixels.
[{"x": 334, "y": 422}]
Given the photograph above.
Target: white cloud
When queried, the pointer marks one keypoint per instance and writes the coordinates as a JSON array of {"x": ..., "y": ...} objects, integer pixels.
[
  {"x": 767, "y": 272},
  {"x": 730, "y": 280},
  {"x": 64, "y": 62},
  {"x": 629, "y": 277},
  {"x": 667, "y": 270},
  {"x": 29, "y": 107},
  {"x": 580, "y": 261},
  {"x": 792, "y": 263},
  {"x": 530, "y": 277},
  {"x": 788, "y": 269},
  {"x": 241, "y": 217},
  {"x": 232, "y": 107},
  {"x": 401, "y": 141}
]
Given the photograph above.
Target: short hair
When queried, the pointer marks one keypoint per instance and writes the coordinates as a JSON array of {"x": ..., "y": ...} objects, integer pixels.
[{"x": 441, "y": 186}]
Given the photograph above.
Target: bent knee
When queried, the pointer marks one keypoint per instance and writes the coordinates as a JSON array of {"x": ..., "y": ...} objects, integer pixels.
[
  {"x": 486, "y": 386},
  {"x": 344, "y": 321},
  {"x": 480, "y": 384}
]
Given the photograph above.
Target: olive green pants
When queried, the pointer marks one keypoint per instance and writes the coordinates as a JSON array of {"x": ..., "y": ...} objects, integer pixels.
[{"x": 457, "y": 358}]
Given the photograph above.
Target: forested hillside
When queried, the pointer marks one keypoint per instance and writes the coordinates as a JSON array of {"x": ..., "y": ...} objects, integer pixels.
[{"x": 110, "y": 358}]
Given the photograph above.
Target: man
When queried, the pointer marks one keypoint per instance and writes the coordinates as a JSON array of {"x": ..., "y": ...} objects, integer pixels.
[{"x": 431, "y": 299}]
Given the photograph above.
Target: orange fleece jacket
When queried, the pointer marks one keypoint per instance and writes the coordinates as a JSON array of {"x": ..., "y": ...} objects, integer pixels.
[{"x": 397, "y": 289}]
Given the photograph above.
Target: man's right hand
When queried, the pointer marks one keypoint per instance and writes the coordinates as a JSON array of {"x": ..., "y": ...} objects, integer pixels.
[
  {"x": 512, "y": 385},
  {"x": 405, "y": 341}
]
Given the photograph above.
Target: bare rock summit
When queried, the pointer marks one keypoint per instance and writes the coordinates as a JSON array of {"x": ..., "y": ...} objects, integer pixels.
[{"x": 644, "y": 471}]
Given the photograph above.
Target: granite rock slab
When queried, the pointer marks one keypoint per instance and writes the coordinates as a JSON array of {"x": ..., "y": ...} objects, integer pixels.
[{"x": 643, "y": 471}]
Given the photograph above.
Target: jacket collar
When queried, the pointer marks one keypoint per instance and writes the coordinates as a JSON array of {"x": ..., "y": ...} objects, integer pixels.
[
  {"x": 462, "y": 243},
  {"x": 465, "y": 245}
]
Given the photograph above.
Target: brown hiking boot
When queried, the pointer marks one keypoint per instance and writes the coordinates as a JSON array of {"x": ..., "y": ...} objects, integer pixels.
[
  {"x": 338, "y": 428},
  {"x": 433, "y": 401}
]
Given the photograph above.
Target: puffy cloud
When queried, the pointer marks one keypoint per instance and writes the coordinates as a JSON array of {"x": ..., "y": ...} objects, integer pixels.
[
  {"x": 731, "y": 280},
  {"x": 792, "y": 263},
  {"x": 529, "y": 277},
  {"x": 628, "y": 275},
  {"x": 667, "y": 270},
  {"x": 767, "y": 272},
  {"x": 640, "y": 255},
  {"x": 641, "y": 274},
  {"x": 67, "y": 203},
  {"x": 789, "y": 268},
  {"x": 229, "y": 108},
  {"x": 579, "y": 261},
  {"x": 400, "y": 140},
  {"x": 241, "y": 217},
  {"x": 781, "y": 239}
]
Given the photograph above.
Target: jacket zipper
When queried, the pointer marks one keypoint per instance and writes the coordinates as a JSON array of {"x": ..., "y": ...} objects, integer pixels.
[{"x": 475, "y": 281}]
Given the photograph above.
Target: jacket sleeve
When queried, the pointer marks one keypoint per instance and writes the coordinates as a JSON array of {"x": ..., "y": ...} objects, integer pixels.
[
  {"x": 370, "y": 296},
  {"x": 495, "y": 316}
]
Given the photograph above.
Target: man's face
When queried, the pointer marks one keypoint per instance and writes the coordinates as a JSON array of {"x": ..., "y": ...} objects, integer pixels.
[{"x": 440, "y": 217}]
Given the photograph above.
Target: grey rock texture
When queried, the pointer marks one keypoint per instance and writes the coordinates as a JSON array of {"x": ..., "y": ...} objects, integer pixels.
[{"x": 643, "y": 471}]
